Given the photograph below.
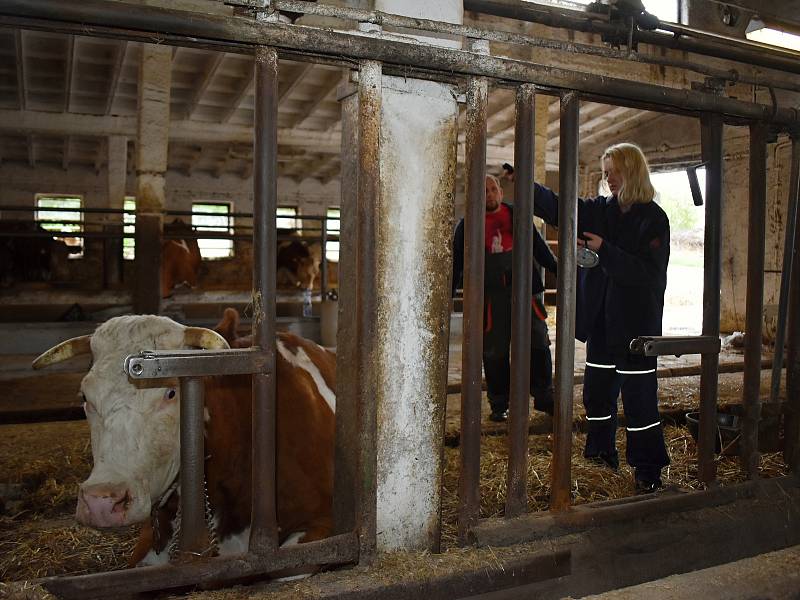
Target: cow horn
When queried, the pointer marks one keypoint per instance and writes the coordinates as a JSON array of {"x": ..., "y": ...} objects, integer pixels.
[
  {"x": 200, "y": 337},
  {"x": 66, "y": 349}
]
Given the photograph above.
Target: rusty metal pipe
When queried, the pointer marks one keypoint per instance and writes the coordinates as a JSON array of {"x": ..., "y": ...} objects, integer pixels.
[
  {"x": 789, "y": 265},
  {"x": 264, "y": 526},
  {"x": 335, "y": 550},
  {"x": 369, "y": 194},
  {"x": 522, "y": 263},
  {"x": 792, "y": 422},
  {"x": 711, "y": 145},
  {"x": 565, "y": 309},
  {"x": 237, "y": 34},
  {"x": 389, "y": 20},
  {"x": 472, "y": 342},
  {"x": 756, "y": 236},
  {"x": 193, "y": 521}
]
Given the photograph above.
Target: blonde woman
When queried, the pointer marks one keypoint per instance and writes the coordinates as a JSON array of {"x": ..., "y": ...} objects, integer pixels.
[{"x": 620, "y": 299}]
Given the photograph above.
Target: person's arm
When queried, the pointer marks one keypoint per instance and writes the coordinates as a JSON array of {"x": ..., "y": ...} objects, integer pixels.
[
  {"x": 458, "y": 256},
  {"x": 542, "y": 253},
  {"x": 545, "y": 204},
  {"x": 647, "y": 266}
]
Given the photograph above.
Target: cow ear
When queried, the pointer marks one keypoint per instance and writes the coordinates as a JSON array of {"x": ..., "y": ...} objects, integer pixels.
[{"x": 66, "y": 349}]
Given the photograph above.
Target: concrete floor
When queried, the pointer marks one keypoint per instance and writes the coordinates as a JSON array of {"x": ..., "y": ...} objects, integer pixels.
[{"x": 774, "y": 576}]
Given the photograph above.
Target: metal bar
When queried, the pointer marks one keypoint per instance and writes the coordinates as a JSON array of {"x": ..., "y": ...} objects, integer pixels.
[
  {"x": 156, "y": 364},
  {"x": 711, "y": 143},
  {"x": 323, "y": 267},
  {"x": 337, "y": 550},
  {"x": 489, "y": 35},
  {"x": 792, "y": 420},
  {"x": 683, "y": 39},
  {"x": 676, "y": 345},
  {"x": 565, "y": 305},
  {"x": 472, "y": 341},
  {"x": 537, "y": 526},
  {"x": 522, "y": 263},
  {"x": 756, "y": 237},
  {"x": 786, "y": 275},
  {"x": 264, "y": 525},
  {"x": 193, "y": 522},
  {"x": 369, "y": 197},
  {"x": 238, "y": 34}
]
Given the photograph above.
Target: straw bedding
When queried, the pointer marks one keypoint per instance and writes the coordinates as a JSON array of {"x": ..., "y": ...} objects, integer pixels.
[{"x": 43, "y": 464}]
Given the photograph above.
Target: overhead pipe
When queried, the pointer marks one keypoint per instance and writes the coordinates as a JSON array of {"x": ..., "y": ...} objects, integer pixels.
[
  {"x": 239, "y": 34},
  {"x": 682, "y": 38}
]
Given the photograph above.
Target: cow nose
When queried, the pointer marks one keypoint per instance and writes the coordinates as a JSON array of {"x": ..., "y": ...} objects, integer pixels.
[{"x": 103, "y": 505}]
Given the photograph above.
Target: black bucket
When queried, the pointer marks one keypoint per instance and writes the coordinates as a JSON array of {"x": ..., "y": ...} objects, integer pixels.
[{"x": 728, "y": 431}]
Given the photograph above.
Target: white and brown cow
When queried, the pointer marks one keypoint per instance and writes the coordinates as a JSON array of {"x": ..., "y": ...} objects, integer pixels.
[{"x": 136, "y": 445}]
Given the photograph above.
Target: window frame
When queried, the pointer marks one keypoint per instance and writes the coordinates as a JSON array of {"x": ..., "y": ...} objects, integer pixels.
[{"x": 216, "y": 244}]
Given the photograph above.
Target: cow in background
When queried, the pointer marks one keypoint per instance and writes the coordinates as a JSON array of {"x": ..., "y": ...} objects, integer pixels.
[
  {"x": 136, "y": 443},
  {"x": 180, "y": 258},
  {"x": 31, "y": 258},
  {"x": 298, "y": 264}
]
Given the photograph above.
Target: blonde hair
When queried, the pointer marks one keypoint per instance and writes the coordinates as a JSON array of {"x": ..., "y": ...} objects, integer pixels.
[{"x": 631, "y": 163}]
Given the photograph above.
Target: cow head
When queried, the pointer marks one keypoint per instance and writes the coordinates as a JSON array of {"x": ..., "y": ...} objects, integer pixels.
[
  {"x": 298, "y": 264},
  {"x": 134, "y": 425}
]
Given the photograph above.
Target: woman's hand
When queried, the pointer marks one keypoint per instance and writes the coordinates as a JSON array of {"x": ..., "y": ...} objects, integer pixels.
[{"x": 591, "y": 241}]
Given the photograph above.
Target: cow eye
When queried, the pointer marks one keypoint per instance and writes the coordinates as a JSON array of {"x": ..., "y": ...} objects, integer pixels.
[{"x": 169, "y": 394}]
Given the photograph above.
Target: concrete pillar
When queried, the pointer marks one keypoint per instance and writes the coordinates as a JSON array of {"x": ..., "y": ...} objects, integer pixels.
[
  {"x": 414, "y": 263},
  {"x": 155, "y": 75},
  {"x": 117, "y": 173}
]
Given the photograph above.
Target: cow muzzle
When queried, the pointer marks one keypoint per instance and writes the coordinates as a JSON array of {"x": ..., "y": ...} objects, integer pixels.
[{"x": 106, "y": 505}]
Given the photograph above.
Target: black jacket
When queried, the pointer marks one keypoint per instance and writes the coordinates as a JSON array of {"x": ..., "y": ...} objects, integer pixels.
[
  {"x": 630, "y": 280},
  {"x": 541, "y": 255}
]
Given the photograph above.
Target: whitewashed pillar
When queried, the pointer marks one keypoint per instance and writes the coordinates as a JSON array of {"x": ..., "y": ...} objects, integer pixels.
[
  {"x": 414, "y": 263},
  {"x": 155, "y": 76}
]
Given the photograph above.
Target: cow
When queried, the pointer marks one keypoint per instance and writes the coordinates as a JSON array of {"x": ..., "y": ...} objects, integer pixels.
[
  {"x": 30, "y": 257},
  {"x": 135, "y": 441},
  {"x": 180, "y": 258},
  {"x": 298, "y": 264}
]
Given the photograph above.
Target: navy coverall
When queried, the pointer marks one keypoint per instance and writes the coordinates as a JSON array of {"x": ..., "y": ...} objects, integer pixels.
[
  {"x": 620, "y": 299},
  {"x": 497, "y": 322}
]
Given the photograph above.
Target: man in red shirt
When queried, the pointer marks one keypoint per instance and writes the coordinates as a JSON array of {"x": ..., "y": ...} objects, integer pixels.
[{"x": 497, "y": 306}]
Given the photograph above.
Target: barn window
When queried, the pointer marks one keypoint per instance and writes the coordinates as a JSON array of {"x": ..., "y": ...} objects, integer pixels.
[
  {"x": 129, "y": 220},
  {"x": 758, "y": 32},
  {"x": 287, "y": 217},
  {"x": 216, "y": 217},
  {"x": 333, "y": 225},
  {"x": 666, "y": 10},
  {"x": 65, "y": 216}
]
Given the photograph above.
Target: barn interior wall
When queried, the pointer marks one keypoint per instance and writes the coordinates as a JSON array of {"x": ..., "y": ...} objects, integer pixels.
[
  {"x": 735, "y": 223},
  {"x": 21, "y": 183}
]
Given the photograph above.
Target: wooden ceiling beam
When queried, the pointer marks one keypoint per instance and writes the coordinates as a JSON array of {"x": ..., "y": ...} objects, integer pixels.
[
  {"x": 304, "y": 70},
  {"x": 208, "y": 76},
  {"x": 329, "y": 87},
  {"x": 119, "y": 60},
  {"x": 19, "y": 42},
  {"x": 244, "y": 91},
  {"x": 69, "y": 71}
]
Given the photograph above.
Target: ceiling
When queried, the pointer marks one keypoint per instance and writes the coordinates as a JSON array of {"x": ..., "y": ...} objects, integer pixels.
[{"x": 57, "y": 78}]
